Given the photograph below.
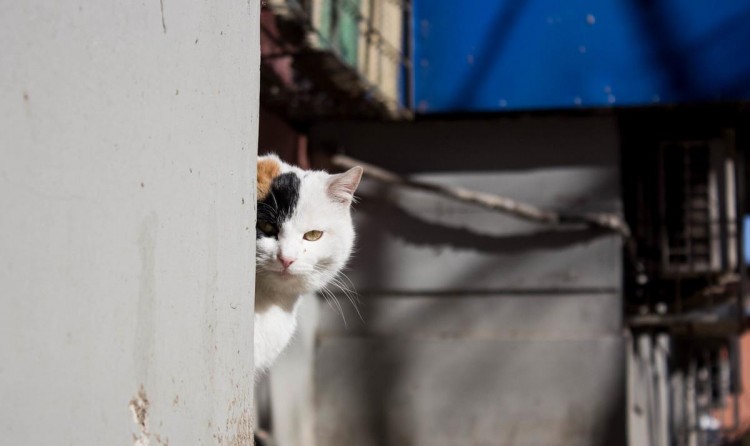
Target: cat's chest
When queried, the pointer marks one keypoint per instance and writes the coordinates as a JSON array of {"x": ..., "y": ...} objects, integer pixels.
[{"x": 273, "y": 330}]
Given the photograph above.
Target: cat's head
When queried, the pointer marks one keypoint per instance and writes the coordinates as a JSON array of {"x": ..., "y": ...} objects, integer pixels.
[{"x": 304, "y": 233}]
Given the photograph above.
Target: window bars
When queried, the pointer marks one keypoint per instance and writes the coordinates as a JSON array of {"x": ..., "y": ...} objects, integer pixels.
[{"x": 697, "y": 208}]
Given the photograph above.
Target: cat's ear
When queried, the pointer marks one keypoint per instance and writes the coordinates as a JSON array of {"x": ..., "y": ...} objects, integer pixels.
[
  {"x": 341, "y": 187},
  {"x": 269, "y": 167}
]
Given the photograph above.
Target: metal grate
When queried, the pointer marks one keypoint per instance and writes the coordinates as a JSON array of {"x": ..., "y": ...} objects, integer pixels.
[
  {"x": 697, "y": 225},
  {"x": 688, "y": 205}
]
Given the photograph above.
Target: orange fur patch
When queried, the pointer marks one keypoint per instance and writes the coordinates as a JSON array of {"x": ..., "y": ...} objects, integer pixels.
[{"x": 268, "y": 169}]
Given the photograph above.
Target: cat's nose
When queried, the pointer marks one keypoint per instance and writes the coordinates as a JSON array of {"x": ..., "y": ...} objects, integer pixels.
[{"x": 286, "y": 261}]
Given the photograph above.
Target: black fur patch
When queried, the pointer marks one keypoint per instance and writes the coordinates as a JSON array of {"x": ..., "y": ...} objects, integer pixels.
[{"x": 278, "y": 206}]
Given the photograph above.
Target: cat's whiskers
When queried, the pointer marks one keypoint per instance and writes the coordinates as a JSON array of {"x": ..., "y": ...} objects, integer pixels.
[
  {"x": 350, "y": 293},
  {"x": 353, "y": 288},
  {"x": 331, "y": 300}
]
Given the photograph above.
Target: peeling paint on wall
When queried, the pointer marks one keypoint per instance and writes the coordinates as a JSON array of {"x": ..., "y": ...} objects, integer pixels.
[
  {"x": 139, "y": 407},
  {"x": 238, "y": 429}
]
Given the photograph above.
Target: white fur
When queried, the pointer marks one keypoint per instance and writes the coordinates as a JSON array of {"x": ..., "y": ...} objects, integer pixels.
[
  {"x": 273, "y": 331},
  {"x": 321, "y": 208}
]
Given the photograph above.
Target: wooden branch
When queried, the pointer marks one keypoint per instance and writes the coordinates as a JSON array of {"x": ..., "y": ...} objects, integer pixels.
[{"x": 498, "y": 203}]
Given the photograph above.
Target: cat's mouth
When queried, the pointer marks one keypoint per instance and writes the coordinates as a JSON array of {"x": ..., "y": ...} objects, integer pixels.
[
  {"x": 284, "y": 273},
  {"x": 280, "y": 273}
]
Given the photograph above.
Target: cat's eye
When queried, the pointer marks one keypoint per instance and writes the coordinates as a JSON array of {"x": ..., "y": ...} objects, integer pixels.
[
  {"x": 313, "y": 235},
  {"x": 267, "y": 228}
]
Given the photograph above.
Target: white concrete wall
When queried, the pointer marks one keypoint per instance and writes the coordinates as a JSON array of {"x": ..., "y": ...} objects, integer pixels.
[{"x": 127, "y": 161}]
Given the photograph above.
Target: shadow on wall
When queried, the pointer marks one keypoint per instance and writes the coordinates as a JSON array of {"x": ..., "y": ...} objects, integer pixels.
[
  {"x": 418, "y": 385},
  {"x": 406, "y": 378},
  {"x": 416, "y": 231},
  {"x": 478, "y": 145}
]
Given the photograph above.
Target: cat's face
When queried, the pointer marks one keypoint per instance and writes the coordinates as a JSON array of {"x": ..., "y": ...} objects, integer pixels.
[{"x": 304, "y": 233}]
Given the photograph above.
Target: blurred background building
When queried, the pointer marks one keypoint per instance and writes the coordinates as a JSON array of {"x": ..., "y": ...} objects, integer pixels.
[{"x": 483, "y": 328}]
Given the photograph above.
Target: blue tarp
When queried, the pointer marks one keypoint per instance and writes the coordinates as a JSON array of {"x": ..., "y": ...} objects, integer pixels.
[{"x": 490, "y": 55}]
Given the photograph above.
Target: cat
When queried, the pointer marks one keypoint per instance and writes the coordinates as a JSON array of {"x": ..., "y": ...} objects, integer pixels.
[{"x": 304, "y": 237}]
